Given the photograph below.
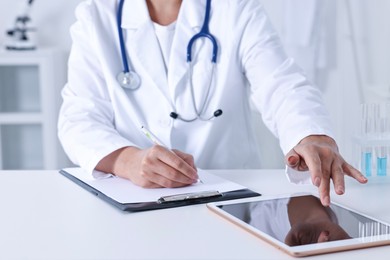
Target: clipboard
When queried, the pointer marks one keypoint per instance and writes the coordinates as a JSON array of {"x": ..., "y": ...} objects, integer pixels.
[{"x": 117, "y": 191}]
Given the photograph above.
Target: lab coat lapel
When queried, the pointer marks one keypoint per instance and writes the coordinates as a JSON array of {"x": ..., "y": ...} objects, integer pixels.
[
  {"x": 189, "y": 22},
  {"x": 142, "y": 43}
]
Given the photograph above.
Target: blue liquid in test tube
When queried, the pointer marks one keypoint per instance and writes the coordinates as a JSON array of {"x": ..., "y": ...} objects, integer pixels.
[
  {"x": 367, "y": 163},
  {"x": 381, "y": 161},
  {"x": 381, "y": 151},
  {"x": 381, "y": 166}
]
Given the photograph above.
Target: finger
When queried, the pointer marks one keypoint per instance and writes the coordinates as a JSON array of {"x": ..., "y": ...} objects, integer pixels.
[
  {"x": 337, "y": 176},
  {"x": 324, "y": 187},
  {"x": 302, "y": 165},
  {"x": 186, "y": 157},
  {"x": 178, "y": 169},
  {"x": 159, "y": 180},
  {"x": 292, "y": 159},
  {"x": 145, "y": 181},
  {"x": 171, "y": 177},
  {"x": 150, "y": 185},
  {"x": 156, "y": 168},
  {"x": 161, "y": 175},
  {"x": 313, "y": 163},
  {"x": 352, "y": 172},
  {"x": 324, "y": 190},
  {"x": 295, "y": 161},
  {"x": 320, "y": 174}
]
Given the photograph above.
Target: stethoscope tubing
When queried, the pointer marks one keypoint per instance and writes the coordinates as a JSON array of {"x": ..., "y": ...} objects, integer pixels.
[
  {"x": 126, "y": 68},
  {"x": 204, "y": 33}
]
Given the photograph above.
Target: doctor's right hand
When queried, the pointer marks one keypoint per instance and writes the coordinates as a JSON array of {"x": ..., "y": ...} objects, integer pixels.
[{"x": 155, "y": 167}]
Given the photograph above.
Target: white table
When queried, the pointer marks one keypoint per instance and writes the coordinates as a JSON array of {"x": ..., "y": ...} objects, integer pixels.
[{"x": 46, "y": 216}]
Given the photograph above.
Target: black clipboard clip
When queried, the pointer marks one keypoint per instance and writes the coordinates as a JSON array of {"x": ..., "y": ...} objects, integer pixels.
[{"x": 189, "y": 196}]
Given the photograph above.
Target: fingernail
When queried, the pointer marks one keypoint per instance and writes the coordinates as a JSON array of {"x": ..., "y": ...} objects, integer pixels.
[
  {"x": 195, "y": 178},
  {"x": 317, "y": 181},
  {"x": 340, "y": 190},
  {"x": 292, "y": 160},
  {"x": 326, "y": 201}
]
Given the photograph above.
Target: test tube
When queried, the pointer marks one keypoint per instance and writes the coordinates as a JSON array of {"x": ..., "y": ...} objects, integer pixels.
[
  {"x": 381, "y": 161},
  {"x": 367, "y": 130},
  {"x": 366, "y": 161},
  {"x": 381, "y": 132}
]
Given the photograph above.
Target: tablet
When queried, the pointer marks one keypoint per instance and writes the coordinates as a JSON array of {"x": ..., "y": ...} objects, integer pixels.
[{"x": 301, "y": 226}]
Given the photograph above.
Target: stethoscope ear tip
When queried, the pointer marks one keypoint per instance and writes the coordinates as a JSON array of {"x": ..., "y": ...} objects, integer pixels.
[
  {"x": 218, "y": 112},
  {"x": 174, "y": 115}
]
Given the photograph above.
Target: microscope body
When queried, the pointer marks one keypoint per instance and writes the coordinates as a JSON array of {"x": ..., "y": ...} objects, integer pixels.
[{"x": 22, "y": 35}]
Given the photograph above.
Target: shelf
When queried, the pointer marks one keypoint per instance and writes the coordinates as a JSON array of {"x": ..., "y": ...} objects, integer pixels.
[
  {"x": 30, "y": 98},
  {"x": 19, "y": 88},
  {"x": 21, "y": 147},
  {"x": 21, "y": 58},
  {"x": 21, "y": 118}
]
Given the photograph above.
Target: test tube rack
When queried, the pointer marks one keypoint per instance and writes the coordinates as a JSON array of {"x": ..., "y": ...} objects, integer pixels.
[{"x": 373, "y": 154}]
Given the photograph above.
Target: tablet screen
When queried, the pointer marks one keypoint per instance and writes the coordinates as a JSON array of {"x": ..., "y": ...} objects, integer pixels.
[{"x": 303, "y": 220}]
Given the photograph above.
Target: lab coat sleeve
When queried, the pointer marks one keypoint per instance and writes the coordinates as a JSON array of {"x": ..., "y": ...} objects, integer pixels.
[
  {"x": 291, "y": 107},
  {"x": 86, "y": 121}
]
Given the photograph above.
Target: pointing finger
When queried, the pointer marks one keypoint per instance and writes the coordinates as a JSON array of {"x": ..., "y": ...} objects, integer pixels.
[{"x": 352, "y": 172}]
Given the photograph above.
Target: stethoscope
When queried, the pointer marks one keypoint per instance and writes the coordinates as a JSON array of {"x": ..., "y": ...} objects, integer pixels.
[{"x": 129, "y": 79}]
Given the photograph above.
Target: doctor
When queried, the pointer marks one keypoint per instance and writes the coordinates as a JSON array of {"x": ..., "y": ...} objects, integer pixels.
[{"x": 135, "y": 63}]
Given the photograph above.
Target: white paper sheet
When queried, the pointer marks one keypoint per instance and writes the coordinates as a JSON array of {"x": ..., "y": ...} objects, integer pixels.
[{"x": 124, "y": 191}]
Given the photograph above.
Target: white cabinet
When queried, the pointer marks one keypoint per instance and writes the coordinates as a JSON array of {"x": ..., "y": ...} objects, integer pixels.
[{"x": 30, "y": 85}]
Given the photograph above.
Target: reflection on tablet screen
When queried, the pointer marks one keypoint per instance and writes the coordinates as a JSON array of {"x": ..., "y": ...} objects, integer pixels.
[{"x": 303, "y": 220}]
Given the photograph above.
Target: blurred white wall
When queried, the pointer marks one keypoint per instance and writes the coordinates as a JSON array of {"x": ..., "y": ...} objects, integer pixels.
[
  {"x": 337, "y": 78},
  {"x": 347, "y": 25}
]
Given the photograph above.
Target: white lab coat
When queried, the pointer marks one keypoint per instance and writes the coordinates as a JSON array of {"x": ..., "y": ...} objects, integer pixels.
[{"x": 98, "y": 116}]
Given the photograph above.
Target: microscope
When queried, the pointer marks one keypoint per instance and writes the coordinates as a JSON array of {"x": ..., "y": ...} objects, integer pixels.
[{"x": 21, "y": 37}]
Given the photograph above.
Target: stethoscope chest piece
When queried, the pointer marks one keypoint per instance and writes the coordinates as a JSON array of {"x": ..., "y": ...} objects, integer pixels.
[{"x": 129, "y": 80}]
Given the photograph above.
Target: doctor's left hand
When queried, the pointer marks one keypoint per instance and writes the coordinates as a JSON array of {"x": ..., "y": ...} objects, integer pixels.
[{"x": 319, "y": 154}]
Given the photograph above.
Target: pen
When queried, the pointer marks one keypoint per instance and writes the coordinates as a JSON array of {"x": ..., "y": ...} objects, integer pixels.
[
  {"x": 152, "y": 137},
  {"x": 157, "y": 141}
]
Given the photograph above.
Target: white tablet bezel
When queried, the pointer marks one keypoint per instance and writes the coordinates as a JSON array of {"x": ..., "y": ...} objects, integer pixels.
[{"x": 303, "y": 250}]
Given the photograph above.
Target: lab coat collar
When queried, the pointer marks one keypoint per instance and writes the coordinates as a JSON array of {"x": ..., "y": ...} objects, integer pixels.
[
  {"x": 135, "y": 16},
  {"x": 142, "y": 43}
]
